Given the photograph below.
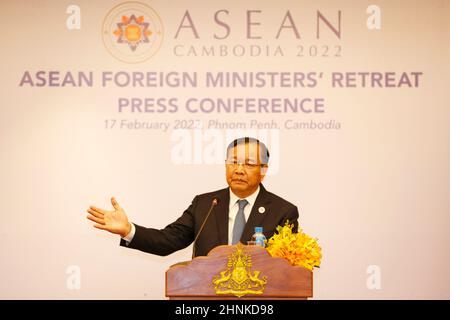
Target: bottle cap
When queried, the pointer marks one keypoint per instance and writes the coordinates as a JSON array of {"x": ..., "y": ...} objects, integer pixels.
[{"x": 258, "y": 229}]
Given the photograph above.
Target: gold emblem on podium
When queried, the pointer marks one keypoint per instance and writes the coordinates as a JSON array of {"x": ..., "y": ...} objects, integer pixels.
[{"x": 238, "y": 279}]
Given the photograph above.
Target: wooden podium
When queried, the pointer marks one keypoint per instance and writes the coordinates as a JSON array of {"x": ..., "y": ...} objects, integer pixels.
[{"x": 238, "y": 272}]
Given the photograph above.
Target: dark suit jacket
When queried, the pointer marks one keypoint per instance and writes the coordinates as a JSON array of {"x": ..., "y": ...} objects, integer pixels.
[{"x": 181, "y": 233}]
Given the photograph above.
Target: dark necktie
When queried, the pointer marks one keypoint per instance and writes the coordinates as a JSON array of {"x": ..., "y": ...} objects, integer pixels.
[{"x": 239, "y": 222}]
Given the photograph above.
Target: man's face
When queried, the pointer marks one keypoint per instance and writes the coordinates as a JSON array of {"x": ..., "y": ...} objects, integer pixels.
[{"x": 243, "y": 169}]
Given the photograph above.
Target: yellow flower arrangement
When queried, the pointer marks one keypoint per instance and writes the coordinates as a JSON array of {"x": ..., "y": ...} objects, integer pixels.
[{"x": 298, "y": 248}]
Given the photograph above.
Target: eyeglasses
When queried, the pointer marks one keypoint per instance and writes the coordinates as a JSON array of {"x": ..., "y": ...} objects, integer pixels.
[{"x": 246, "y": 164}]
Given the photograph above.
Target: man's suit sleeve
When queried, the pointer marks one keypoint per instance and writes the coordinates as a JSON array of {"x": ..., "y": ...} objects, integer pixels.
[
  {"x": 292, "y": 216},
  {"x": 176, "y": 236}
]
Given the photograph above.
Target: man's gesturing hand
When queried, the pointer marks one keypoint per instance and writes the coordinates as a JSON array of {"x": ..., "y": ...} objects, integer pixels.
[{"x": 113, "y": 221}]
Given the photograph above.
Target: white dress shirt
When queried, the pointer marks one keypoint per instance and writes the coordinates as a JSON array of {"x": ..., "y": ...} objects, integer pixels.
[
  {"x": 234, "y": 208},
  {"x": 130, "y": 236},
  {"x": 232, "y": 212}
]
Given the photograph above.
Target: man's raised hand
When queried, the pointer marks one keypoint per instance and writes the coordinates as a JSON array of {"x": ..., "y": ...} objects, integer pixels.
[{"x": 115, "y": 221}]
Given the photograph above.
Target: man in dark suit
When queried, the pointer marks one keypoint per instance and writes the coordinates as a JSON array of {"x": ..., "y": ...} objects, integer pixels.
[{"x": 234, "y": 212}]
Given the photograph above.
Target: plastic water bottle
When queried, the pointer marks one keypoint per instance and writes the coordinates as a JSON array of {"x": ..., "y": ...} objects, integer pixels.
[{"x": 259, "y": 238}]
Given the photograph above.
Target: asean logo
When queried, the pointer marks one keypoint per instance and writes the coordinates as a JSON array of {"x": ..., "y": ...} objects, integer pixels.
[{"x": 132, "y": 32}]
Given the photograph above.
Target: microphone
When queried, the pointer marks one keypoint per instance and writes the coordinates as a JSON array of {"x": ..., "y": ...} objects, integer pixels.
[{"x": 214, "y": 203}]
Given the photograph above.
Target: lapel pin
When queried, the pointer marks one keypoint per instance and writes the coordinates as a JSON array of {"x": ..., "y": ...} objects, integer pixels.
[{"x": 261, "y": 209}]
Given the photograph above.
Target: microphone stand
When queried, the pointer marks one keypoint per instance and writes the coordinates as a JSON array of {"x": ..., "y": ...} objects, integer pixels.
[{"x": 213, "y": 204}]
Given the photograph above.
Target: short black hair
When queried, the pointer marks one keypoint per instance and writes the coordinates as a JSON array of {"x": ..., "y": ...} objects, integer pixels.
[{"x": 263, "y": 151}]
